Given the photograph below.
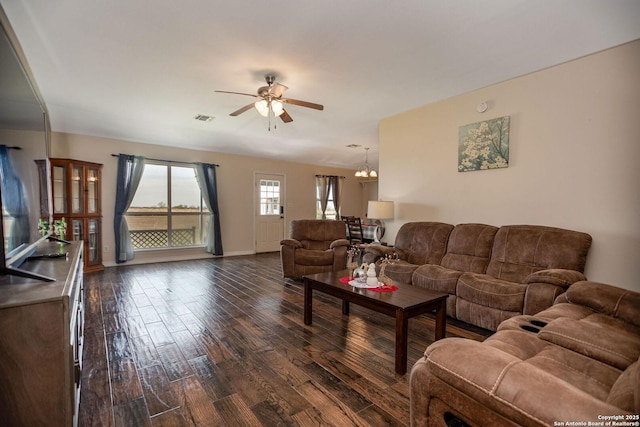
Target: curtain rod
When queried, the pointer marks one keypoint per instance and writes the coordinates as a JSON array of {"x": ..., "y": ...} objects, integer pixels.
[
  {"x": 168, "y": 161},
  {"x": 13, "y": 148},
  {"x": 327, "y": 176}
]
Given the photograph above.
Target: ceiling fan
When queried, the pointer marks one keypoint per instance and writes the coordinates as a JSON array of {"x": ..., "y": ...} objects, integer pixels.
[{"x": 271, "y": 101}]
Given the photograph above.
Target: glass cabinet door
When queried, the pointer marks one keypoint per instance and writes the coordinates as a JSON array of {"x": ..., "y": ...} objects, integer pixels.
[
  {"x": 93, "y": 243},
  {"x": 77, "y": 229},
  {"x": 59, "y": 189},
  {"x": 92, "y": 190},
  {"x": 76, "y": 190}
]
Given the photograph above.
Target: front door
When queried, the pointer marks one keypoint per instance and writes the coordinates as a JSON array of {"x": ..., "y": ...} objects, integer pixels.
[{"x": 269, "y": 216}]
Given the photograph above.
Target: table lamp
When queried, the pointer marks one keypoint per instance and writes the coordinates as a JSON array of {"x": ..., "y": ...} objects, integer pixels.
[{"x": 378, "y": 211}]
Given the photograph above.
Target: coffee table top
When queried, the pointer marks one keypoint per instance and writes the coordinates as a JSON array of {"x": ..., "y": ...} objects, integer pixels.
[{"x": 406, "y": 296}]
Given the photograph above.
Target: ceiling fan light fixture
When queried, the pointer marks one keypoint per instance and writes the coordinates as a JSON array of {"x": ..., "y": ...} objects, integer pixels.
[
  {"x": 277, "y": 108},
  {"x": 262, "y": 107}
]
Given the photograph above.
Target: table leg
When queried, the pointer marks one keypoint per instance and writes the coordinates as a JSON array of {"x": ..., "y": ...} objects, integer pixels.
[
  {"x": 345, "y": 307},
  {"x": 441, "y": 321},
  {"x": 308, "y": 291},
  {"x": 402, "y": 329}
]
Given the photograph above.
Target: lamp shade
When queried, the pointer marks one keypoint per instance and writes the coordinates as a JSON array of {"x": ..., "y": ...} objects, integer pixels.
[
  {"x": 263, "y": 107},
  {"x": 380, "y": 209},
  {"x": 277, "y": 108}
]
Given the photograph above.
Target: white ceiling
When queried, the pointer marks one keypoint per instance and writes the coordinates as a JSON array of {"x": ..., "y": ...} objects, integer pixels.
[{"x": 141, "y": 70}]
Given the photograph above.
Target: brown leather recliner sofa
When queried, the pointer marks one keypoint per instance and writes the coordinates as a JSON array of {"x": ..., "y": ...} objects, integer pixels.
[
  {"x": 575, "y": 363},
  {"x": 490, "y": 273},
  {"x": 314, "y": 246}
]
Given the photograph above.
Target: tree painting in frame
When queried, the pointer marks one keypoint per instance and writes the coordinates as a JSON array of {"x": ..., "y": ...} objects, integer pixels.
[{"x": 484, "y": 145}]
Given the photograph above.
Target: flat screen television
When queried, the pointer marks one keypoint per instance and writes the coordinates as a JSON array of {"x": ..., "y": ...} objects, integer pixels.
[{"x": 24, "y": 136}]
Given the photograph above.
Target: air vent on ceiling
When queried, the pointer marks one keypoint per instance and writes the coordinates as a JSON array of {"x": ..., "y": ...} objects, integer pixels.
[
  {"x": 353, "y": 146},
  {"x": 203, "y": 118}
]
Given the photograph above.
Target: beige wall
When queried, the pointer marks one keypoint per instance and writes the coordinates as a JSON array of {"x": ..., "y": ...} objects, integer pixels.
[
  {"x": 574, "y": 153},
  {"x": 235, "y": 189}
]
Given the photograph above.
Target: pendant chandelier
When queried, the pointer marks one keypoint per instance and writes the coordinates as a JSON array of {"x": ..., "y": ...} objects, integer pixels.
[{"x": 366, "y": 171}]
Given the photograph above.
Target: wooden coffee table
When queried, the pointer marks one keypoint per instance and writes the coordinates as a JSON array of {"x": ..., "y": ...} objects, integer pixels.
[{"x": 406, "y": 302}]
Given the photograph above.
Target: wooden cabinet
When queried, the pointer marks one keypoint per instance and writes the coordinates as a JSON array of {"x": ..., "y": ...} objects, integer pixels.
[
  {"x": 41, "y": 336},
  {"x": 76, "y": 190}
]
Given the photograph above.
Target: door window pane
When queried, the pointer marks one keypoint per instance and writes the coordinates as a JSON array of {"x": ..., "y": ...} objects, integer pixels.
[{"x": 269, "y": 197}]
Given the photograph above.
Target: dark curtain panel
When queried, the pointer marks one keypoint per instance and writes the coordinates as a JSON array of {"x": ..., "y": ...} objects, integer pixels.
[
  {"x": 14, "y": 201},
  {"x": 335, "y": 183},
  {"x": 130, "y": 170},
  {"x": 327, "y": 185},
  {"x": 206, "y": 176},
  {"x": 322, "y": 187}
]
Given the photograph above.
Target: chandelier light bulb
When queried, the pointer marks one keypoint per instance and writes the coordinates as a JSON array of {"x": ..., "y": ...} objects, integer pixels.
[{"x": 366, "y": 171}]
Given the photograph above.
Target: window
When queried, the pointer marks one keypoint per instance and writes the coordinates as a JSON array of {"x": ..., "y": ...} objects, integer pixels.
[
  {"x": 269, "y": 197},
  {"x": 330, "y": 213},
  {"x": 167, "y": 209}
]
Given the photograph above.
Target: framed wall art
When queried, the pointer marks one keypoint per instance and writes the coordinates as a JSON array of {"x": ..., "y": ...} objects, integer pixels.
[{"x": 484, "y": 145}]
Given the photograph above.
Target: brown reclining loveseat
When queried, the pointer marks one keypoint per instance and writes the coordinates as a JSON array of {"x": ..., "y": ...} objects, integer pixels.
[{"x": 575, "y": 363}]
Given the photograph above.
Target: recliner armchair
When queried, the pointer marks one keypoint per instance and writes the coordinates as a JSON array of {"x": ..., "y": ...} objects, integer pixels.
[{"x": 314, "y": 246}]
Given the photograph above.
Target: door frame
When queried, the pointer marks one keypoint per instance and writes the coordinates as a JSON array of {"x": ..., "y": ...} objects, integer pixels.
[{"x": 283, "y": 195}]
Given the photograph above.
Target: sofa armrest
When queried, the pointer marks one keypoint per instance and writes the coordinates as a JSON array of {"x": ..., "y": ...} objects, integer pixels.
[
  {"x": 291, "y": 243},
  {"x": 338, "y": 243},
  {"x": 374, "y": 253},
  {"x": 556, "y": 276},
  {"x": 540, "y": 296}
]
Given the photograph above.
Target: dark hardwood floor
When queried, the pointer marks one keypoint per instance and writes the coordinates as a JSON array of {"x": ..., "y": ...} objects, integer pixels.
[{"x": 221, "y": 342}]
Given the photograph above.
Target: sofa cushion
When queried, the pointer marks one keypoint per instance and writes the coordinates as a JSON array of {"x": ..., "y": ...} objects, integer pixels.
[
  {"x": 400, "y": 271},
  {"x": 313, "y": 257},
  {"x": 488, "y": 291},
  {"x": 481, "y": 315},
  {"x": 440, "y": 279},
  {"x": 423, "y": 242},
  {"x": 436, "y": 278},
  {"x": 519, "y": 250},
  {"x": 596, "y": 338},
  {"x": 469, "y": 247}
]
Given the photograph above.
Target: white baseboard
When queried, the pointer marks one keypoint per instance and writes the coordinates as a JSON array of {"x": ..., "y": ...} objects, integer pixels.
[{"x": 149, "y": 257}]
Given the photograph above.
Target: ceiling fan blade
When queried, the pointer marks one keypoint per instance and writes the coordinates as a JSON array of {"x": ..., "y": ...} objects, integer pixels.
[
  {"x": 242, "y": 110},
  {"x": 277, "y": 89},
  {"x": 303, "y": 103},
  {"x": 286, "y": 117},
  {"x": 237, "y": 93}
]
